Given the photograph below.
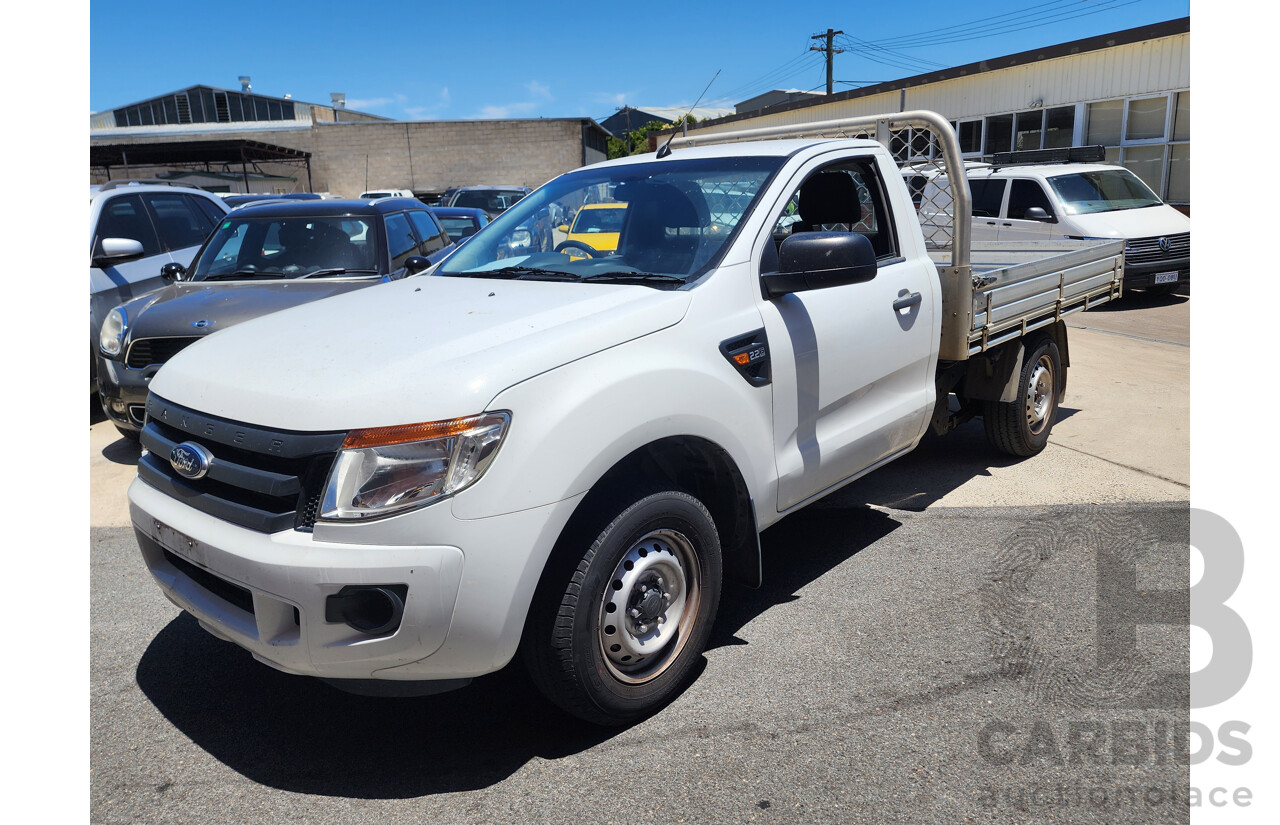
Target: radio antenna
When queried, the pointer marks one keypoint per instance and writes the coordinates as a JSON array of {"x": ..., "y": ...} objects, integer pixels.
[{"x": 666, "y": 147}]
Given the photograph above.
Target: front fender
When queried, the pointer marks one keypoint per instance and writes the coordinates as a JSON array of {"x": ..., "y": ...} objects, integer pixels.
[{"x": 571, "y": 425}]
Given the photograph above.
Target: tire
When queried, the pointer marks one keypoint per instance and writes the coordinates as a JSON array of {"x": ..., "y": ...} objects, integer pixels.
[
  {"x": 1021, "y": 427},
  {"x": 598, "y": 642}
]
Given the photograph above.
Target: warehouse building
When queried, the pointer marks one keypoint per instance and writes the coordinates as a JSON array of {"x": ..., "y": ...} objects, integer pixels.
[
  {"x": 247, "y": 142},
  {"x": 1129, "y": 91}
]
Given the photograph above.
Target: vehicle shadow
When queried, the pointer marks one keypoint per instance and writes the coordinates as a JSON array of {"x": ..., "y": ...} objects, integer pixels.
[
  {"x": 123, "y": 451},
  {"x": 1132, "y": 301},
  {"x": 934, "y": 469},
  {"x": 298, "y": 734}
]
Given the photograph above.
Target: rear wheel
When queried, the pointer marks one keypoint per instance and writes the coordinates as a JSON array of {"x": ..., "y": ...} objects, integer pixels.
[
  {"x": 618, "y": 636},
  {"x": 1021, "y": 427}
]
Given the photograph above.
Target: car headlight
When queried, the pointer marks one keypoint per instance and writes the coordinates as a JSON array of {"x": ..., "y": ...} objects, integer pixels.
[
  {"x": 521, "y": 238},
  {"x": 111, "y": 338},
  {"x": 388, "y": 470}
]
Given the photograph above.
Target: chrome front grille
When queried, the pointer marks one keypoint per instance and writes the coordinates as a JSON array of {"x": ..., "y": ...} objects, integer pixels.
[
  {"x": 1149, "y": 250},
  {"x": 147, "y": 352},
  {"x": 263, "y": 479}
]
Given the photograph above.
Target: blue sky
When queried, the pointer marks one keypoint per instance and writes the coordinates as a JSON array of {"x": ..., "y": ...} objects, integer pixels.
[{"x": 426, "y": 61}]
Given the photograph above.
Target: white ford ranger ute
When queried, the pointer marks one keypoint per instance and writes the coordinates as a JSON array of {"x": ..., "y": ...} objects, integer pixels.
[{"x": 563, "y": 454}]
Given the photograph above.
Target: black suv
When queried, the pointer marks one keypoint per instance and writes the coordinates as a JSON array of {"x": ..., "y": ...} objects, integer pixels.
[{"x": 260, "y": 259}]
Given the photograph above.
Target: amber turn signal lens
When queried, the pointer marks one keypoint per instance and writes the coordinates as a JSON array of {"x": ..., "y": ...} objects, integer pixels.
[{"x": 403, "y": 433}]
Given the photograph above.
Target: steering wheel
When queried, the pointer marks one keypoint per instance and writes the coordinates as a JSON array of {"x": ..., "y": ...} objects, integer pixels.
[{"x": 577, "y": 246}]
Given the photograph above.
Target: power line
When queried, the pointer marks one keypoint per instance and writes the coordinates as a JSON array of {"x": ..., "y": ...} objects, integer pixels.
[
  {"x": 773, "y": 75},
  {"x": 1009, "y": 27}
]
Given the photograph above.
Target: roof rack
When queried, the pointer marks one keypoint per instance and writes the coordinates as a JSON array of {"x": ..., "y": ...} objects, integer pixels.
[
  {"x": 1026, "y": 157},
  {"x": 121, "y": 182}
]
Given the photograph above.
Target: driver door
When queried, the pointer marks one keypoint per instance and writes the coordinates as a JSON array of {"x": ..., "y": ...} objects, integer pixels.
[{"x": 852, "y": 373}]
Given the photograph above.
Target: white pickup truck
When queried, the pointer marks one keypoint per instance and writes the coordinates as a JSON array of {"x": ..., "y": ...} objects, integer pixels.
[{"x": 562, "y": 454}]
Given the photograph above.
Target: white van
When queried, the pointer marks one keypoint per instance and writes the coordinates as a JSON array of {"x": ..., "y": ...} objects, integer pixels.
[{"x": 1075, "y": 201}]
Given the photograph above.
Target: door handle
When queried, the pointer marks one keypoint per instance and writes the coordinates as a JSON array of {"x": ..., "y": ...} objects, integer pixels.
[
  {"x": 1006, "y": 224},
  {"x": 906, "y": 302},
  {"x": 991, "y": 223}
]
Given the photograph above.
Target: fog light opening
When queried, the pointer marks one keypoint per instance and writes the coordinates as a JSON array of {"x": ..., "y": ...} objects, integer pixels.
[{"x": 373, "y": 609}]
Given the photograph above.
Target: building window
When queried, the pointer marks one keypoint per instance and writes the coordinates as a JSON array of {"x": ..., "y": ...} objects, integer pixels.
[
  {"x": 1182, "y": 118},
  {"x": 1147, "y": 118},
  {"x": 1059, "y": 127},
  {"x": 1027, "y": 130},
  {"x": 999, "y": 133},
  {"x": 970, "y": 134},
  {"x": 1179, "y": 173},
  {"x": 1105, "y": 118}
]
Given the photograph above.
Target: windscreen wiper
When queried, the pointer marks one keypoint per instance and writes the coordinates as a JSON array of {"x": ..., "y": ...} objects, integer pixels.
[
  {"x": 337, "y": 270},
  {"x": 623, "y": 275},
  {"x": 531, "y": 273},
  {"x": 244, "y": 273}
]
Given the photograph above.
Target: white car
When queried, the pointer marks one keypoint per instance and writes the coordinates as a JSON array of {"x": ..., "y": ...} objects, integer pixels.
[
  {"x": 374, "y": 194},
  {"x": 1074, "y": 201},
  {"x": 135, "y": 228}
]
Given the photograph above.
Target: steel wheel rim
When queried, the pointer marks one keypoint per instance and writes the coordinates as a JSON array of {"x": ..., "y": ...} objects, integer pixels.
[
  {"x": 1040, "y": 395},
  {"x": 649, "y": 605}
]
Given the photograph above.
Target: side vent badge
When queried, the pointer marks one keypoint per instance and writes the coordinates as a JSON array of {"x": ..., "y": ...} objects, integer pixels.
[{"x": 749, "y": 354}]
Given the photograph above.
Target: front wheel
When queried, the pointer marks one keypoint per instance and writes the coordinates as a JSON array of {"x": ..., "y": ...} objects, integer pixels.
[
  {"x": 617, "y": 637},
  {"x": 1021, "y": 427}
]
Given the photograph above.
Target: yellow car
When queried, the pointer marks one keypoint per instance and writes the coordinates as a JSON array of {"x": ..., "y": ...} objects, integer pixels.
[{"x": 596, "y": 227}]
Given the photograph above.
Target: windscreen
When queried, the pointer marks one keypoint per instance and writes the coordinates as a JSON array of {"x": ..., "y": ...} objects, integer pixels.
[
  {"x": 674, "y": 220},
  {"x": 1111, "y": 190},
  {"x": 253, "y": 248}
]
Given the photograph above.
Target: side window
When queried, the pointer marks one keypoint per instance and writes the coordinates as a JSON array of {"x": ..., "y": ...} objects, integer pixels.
[
  {"x": 124, "y": 217},
  {"x": 208, "y": 209},
  {"x": 401, "y": 242},
  {"x": 1024, "y": 195},
  {"x": 432, "y": 239},
  {"x": 845, "y": 197},
  {"x": 987, "y": 196},
  {"x": 178, "y": 222}
]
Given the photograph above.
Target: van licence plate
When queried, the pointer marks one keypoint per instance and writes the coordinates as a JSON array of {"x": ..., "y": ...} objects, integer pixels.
[{"x": 1166, "y": 278}]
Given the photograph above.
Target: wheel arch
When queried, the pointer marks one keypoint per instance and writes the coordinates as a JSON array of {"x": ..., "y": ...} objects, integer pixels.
[{"x": 691, "y": 464}]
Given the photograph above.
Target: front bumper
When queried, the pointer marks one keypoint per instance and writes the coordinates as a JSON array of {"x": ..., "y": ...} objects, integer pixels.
[
  {"x": 123, "y": 392},
  {"x": 468, "y": 587},
  {"x": 1143, "y": 275}
]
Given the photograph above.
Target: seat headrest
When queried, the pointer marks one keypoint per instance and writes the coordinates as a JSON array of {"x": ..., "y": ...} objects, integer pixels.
[{"x": 830, "y": 197}]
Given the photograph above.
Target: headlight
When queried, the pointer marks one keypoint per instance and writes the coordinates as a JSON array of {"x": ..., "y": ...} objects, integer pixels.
[
  {"x": 111, "y": 339},
  {"x": 521, "y": 238},
  {"x": 391, "y": 469}
]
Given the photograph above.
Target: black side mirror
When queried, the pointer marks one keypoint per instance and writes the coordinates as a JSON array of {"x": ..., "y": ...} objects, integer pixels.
[
  {"x": 1038, "y": 213},
  {"x": 171, "y": 272},
  {"x": 415, "y": 264},
  {"x": 817, "y": 260}
]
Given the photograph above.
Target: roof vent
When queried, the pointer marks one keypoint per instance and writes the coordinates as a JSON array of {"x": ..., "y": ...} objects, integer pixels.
[
  {"x": 339, "y": 99},
  {"x": 245, "y": 85}
]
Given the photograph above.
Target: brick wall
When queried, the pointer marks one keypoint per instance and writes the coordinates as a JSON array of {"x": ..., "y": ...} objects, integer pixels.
[{"x": 420, "y": 156}]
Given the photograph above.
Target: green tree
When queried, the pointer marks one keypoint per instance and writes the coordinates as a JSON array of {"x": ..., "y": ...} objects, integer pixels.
[{"x": 636, "y": 142}]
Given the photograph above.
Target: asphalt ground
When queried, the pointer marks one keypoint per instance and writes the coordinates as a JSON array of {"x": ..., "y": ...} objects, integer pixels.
[{"x": 955, "y": 638}]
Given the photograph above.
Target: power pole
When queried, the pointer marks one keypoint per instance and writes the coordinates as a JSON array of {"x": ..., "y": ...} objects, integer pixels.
[{"x": 829, "y": 51}]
